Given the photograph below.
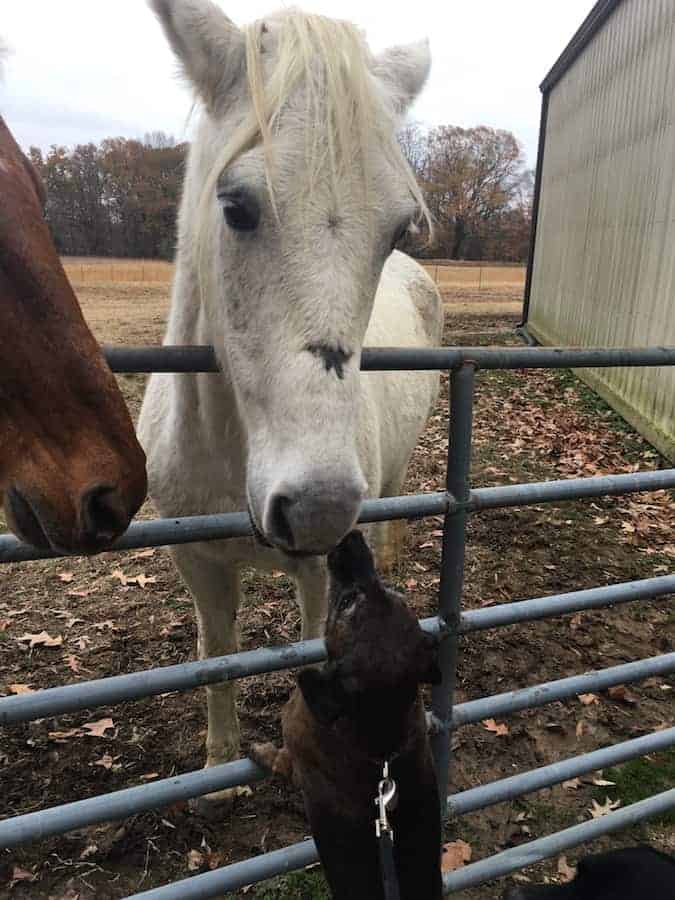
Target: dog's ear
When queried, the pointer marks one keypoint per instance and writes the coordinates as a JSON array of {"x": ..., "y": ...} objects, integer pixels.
[
  {"x": 431, "y": 671},
  {"x": 322, "y": 692}
]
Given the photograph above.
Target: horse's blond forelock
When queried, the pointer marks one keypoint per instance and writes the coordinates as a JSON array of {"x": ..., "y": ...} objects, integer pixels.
[{"x": 345, "y": 103}]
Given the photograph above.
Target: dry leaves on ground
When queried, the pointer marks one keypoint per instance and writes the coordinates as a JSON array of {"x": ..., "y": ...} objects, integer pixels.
[
  {"x": 495, "y": 727},
  {"x": 588, "y": 699},
  {"x": 43, "y": 639},
  {"x": 598, "y": 810},
  {"x": 455, "y": 855}
]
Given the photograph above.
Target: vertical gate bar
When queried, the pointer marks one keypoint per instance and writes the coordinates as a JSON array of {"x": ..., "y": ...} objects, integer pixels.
[{"x": 452, "y": 567}]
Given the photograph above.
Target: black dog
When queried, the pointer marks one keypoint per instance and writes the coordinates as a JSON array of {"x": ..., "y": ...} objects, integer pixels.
[
  {"x": 344, "y": 720},
  {"x": 636, "y": 873}
]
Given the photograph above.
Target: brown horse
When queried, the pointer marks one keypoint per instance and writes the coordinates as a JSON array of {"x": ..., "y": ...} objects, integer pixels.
[{"x": 72, "y": 473}]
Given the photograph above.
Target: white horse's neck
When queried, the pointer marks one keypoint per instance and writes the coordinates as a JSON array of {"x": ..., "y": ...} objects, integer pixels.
[{"x": 207, "y": 402}]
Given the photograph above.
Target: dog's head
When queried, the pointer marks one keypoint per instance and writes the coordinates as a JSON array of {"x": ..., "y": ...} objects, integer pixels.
[{"x": 376, "y": 648}]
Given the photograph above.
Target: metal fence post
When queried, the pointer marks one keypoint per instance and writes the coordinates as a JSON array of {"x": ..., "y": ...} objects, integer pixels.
[{"x": 452, "y": 567}]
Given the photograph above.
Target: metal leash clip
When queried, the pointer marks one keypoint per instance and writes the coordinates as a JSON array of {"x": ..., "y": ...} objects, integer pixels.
[{"x": 386, "y": 792}]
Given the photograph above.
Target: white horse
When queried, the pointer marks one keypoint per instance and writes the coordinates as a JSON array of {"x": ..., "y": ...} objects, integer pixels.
[{"x": 295, "y": 195}]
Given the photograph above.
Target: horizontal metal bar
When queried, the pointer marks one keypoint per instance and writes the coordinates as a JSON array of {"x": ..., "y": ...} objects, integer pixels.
[
  {"x": 151, "y": 682},
  {"x": 128, "y": 802},
  {"x": 134, "y": 800},
  {"x": 223, "y": 526},
  {"x": 569, "y": 489},
  {"x": 520, "y": 857},
  {"x": 534, "y": 780},
  {"x": 187, "y": 676},
  {"x": 237, "y": 875},
  {"x": 559, "y": 604},
  {"x": 131, "y": 801},
  {"x": 279, "y": 862},
  {"x": 203, "y": 359},
  {"x": 541, "y": 694}
]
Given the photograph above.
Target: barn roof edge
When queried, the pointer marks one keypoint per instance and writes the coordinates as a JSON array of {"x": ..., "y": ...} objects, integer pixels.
[{"x": 591, "y": 25}]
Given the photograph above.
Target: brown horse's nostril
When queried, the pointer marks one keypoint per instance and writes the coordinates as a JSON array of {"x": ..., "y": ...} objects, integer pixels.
[{"x": 104, "y": 515}]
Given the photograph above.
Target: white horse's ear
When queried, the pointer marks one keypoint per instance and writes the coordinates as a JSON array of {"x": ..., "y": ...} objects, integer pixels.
[
  {"x": 405, "y": 69},
  {"x": 210, "y": 48}
]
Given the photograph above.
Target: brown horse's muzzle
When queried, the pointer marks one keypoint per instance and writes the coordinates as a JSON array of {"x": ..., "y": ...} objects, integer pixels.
[{"x": 88, "y": 523}]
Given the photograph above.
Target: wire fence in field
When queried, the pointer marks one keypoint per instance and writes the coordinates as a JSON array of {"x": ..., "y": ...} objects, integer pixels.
[{"x": 444, "y": 272}]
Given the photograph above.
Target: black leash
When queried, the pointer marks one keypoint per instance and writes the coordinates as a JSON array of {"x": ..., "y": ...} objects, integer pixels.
[{"x": 386, "y": 794}]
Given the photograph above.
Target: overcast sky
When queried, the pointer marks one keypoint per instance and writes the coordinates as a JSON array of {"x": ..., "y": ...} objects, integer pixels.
[{"x": 82, "y": 70}]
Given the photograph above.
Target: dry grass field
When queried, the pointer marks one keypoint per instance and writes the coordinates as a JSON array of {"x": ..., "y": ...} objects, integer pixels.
[
  {"x": 527, "y": 427},
  {"x": 87, "y": 270}
]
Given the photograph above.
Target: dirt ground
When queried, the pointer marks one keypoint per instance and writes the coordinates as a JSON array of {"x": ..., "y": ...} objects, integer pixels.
[{"x": 528, "y": 426}]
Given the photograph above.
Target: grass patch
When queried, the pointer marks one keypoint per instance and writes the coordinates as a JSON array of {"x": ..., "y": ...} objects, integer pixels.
[
  {"x": 296, "y": 886},
  {"x": 642, "y": 778}
]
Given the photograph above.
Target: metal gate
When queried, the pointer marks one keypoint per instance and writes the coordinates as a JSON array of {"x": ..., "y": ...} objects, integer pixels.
[{"x": 456, "y": 502}]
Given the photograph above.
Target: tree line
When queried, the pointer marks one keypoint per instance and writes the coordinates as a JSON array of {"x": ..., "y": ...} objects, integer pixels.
[{"x": 120, "y": 197}]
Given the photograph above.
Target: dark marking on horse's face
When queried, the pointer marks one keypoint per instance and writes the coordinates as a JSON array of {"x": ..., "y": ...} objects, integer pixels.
[{"x": 333, "y": 357}]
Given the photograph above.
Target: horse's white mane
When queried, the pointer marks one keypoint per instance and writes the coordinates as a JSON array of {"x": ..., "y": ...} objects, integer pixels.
[{"x": 345, "y": 101}]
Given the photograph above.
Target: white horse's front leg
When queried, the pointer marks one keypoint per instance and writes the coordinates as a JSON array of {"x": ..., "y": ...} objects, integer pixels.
[
  {"x": 311, "y": 578},
  {"x": 215, "y": 590}
]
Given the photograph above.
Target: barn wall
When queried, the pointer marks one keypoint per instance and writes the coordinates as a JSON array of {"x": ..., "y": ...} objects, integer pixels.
[{"x": 604, "y": 263}]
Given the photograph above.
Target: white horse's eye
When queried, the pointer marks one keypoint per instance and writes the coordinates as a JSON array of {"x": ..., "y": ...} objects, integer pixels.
[
  {"x": 241, "y": 210},
  {"x": 400, "y": 233}
]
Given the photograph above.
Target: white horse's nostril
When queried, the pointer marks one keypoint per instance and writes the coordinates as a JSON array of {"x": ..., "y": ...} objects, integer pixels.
[
  {"x": 312, "y": 516},
  {"x": 279, "y": 525}
]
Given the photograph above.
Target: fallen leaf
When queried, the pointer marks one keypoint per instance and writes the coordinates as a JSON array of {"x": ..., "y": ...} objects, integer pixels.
[
  {"x": 19, "y": 874},
  {"x": 580, "y": 728},
  {"x": 495, "y": 727},
  {"x": 587, "y": 699},
  {"x": 150, "y": 776},
  {"x": 144, "y": 554},
  {"x": 119, "y": 574},
  {"x": 142, "y": 580},
  {"x": 97, "y": 729},
  {"x": 567, "y": 873},
  {"x": 455, "y": 855},
  {"x": 64, "y": 735},
  {"x": 66, "y": 576},
  {"x": 411, "y": 584},
  {"x": 20, "y": 689},
  {"x": 602, "y": 782},
  {"x": 598, "y": 810},
  {"x": 572, "y": 784},
  {"x": 4, "y": 624},
  {"x": 73, "y": 663},
  {"x": 619, "y": 692},
  {"x": 41, "y": 640},
  {"x": 89, "y": 850},
  {"x": 195, "y": 860},
  {"x": 106, "y": 761}
]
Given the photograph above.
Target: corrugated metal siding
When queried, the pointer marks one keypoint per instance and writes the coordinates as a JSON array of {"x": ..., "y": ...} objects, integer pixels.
[{"x": 604, "y": 264}]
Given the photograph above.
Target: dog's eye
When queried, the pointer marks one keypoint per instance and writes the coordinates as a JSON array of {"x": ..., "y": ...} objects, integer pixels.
[
  {"x": 346, "y": 599},
  {"x": 241, "y": 210}
]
